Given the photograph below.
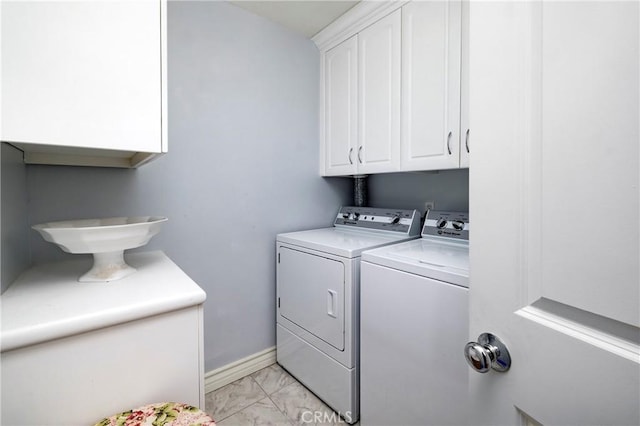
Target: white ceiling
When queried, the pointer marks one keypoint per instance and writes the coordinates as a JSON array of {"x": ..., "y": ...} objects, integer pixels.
[{"x": 306, "y": 17}]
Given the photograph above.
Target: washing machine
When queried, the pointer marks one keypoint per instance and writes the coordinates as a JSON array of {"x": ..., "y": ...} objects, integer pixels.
[
  {"x": 414, "y": 319},
  {"x": 318, "y": 283}
]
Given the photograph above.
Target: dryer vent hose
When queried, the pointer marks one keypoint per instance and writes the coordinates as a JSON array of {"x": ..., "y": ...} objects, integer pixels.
[{"x": 360, "y": 196}]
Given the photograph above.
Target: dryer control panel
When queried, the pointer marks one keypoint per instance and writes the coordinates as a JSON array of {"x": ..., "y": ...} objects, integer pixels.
[
  {"x": 446, "y": 224},
  {"x": 398, "y": 222}
]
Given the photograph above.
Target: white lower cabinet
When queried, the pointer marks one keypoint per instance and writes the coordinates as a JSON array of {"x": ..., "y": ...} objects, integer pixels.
[
  {"x": 84, "y": 83},
  {"x": 73, "y": 353},
  {"x": 411, "y": 88}
]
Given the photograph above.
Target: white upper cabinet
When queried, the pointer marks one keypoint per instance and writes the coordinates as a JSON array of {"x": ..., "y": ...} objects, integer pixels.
[
  {"x": 411, "y": 88},
  {"x": 84, "y": 82},
  {"x": 379, "y": 96},
  {"x": 341, "y": 108},
  {"x": 431, "y": 51},
  {"x": 361, "y": 101}
]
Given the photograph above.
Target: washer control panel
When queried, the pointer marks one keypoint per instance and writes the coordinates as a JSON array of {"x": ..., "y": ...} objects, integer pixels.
[
  {"x": 447, "y": 224},
  {"x": 405, "y": 222}
]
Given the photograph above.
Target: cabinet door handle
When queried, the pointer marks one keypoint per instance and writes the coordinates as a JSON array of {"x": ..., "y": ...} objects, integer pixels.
[
  {"x": 360, "y": 154},
  {"x": 466, "y": 141},
  {"x": 350, "y": 152},
  {"x": 449, "y": 142}
]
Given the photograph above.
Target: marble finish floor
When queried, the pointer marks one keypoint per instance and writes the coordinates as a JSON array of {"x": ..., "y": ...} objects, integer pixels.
[{"x": 270, "y": 396}]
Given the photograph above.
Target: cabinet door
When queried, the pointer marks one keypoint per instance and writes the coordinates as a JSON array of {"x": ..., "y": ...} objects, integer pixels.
[
  {"x": 431, "y": 44},
  {"x": 341, "y": 108},
  {"x": 465, "y": 131},
  {"x": 82, "y": 74},
  {"x": 379, "y": 48},
  {"x": 93, "y": 377}
]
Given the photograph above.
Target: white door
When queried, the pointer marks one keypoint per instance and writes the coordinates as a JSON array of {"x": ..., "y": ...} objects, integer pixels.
[
  {"x": 554, "y": 201},
  {"x": 431, "y": 45},
  {"x": 340, "y": 110},
  {"x": 379, "y": 96}
]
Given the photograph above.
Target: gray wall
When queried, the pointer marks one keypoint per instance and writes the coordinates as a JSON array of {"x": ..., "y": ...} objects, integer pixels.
[
  {"x": 14, "y": 247},
  {"x": 449, "y": 189},
  {"x": 242, "y": 166}
]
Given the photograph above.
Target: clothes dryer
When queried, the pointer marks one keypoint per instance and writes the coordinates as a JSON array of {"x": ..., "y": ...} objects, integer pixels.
[
  {"x": 318, "y": 281},
  {"x": 414, "y": 316}
]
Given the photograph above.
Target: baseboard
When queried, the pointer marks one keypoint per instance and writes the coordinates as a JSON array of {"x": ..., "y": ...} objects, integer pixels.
[{"x": 226, "y": 374}]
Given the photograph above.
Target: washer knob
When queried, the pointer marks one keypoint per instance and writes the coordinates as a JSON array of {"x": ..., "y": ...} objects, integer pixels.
[
  {"x": 395, "y": 219},
  {"x": 441, "y": 223},
  {"x": 458, "y": 225}
]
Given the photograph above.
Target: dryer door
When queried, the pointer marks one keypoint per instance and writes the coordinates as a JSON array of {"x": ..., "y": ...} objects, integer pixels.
[{"x": 311, "y": 292}]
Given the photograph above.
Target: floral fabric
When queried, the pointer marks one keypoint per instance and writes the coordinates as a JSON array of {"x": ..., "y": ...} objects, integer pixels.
[{"x": 161, "y": 414}]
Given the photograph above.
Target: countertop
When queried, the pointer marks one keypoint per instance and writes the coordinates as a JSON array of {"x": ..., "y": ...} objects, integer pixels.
[{"x": 47, "y": 302}]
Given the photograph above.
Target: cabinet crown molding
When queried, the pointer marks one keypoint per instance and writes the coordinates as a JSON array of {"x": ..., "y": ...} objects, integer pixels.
[{"x": 353, "y": 21}]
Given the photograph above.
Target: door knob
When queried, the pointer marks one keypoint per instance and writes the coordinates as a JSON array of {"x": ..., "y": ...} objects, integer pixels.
[{"x": 487, "y": 353}]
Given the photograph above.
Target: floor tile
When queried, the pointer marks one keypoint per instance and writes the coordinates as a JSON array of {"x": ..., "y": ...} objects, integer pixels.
[
  {"x": 233, "y": 397},
  {"x": 263, "y": 413},
  {"x": 272, "y": 378},
  {"x": 304, "y": 408}
]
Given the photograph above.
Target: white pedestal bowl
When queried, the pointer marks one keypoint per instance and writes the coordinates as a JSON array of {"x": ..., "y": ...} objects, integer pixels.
[{"x": 106, "y": 239}]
